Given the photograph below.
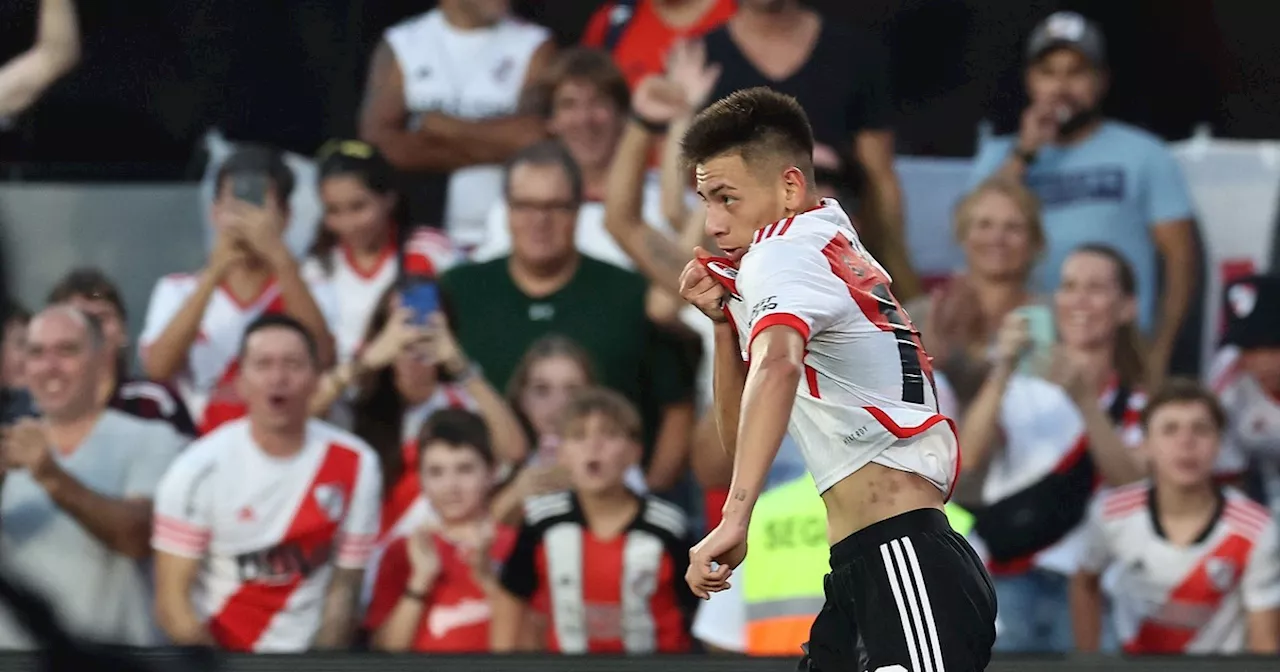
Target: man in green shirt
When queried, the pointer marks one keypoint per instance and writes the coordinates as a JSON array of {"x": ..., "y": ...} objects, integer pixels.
[{"x": 499, "y": 308}]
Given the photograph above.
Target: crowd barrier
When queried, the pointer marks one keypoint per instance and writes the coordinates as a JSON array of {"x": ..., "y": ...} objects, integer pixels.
[{"x": 166, "y": 661}]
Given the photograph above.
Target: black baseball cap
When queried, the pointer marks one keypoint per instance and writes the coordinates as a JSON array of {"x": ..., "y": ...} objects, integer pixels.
[
  {"x": 1068, "y": 30},
  {"x": 1252, "y": 306}
]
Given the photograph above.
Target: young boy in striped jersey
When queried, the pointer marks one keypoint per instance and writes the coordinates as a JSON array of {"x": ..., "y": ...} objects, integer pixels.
[{"x": 602, "y": 567}]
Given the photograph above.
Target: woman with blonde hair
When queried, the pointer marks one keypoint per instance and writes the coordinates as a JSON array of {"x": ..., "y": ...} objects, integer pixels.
[{"x": 999, "y": 229}]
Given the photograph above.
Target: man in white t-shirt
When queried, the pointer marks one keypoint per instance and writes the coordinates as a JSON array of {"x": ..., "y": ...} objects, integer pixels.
[
  {"x": 78, "y": 483},
  {"x": 443, "y": 96},
  {"x": 1198, "y": 565},
  {"x": 194, "y": 322},
  {"x": 264, "y": 527}
]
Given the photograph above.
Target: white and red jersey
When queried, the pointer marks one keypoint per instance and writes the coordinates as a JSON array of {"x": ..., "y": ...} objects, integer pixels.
[
  {"x": 1177, "y": 599},
  {"x": 206, "y": 383},
  {"x": 269, "y": 530},
  {"x": 867, "y": 389},
  {"x": 357, "y": 292},
  {"x": 1253, "y": 423},
  {"x": 405, "y": 508}
]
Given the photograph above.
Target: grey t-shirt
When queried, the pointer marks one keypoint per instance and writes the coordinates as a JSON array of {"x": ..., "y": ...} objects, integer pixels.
[{"x": 96, "y": 592}]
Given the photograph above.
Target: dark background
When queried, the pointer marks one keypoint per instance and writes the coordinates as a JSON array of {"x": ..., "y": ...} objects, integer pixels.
[{"x": 157, "y": 73}]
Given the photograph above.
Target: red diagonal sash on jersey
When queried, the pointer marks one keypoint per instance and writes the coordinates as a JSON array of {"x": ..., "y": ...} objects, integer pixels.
[
  {"x": 225, "y": 403},
  {"x": 246, "y": 615},
  {"x": 1201, "y": 589}
]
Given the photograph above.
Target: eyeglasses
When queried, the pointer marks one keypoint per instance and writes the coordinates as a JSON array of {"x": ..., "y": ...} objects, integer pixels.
[
  {"x": 355, "y": 149},
  {"x": 548, "y": 207}
]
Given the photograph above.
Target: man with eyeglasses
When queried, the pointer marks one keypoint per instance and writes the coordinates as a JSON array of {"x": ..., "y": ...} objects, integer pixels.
[{"x": 500, "y": 307}]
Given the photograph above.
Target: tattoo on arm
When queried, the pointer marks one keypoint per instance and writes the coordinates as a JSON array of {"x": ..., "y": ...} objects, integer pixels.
[
  {"x": 740, "y": 495},
  {"x": 665, "y": 257}
]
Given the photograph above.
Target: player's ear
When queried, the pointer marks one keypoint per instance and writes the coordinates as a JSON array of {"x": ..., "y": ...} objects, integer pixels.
[{"x": 794, "y": 187}]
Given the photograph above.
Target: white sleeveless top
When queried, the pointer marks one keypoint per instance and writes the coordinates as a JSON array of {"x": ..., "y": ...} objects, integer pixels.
[{"x": 469, "y": 74}]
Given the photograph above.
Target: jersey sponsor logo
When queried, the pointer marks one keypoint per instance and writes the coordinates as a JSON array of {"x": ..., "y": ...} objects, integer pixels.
[
  {"x": 446, "y": 618},
  {"x": 768, "y": 303},
  {"x": 1099, "y": 184},
  {"x": 281, "y": 564},
  {"x": 330, "y": 499},
  {"x": 541, "y": 312}
]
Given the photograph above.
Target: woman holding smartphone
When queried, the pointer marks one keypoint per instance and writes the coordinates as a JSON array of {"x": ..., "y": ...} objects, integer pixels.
[
  {"x": 1036, "y": 446},
  {"x": 356, "y": 250},
  {"x": 410, "y": 368}
]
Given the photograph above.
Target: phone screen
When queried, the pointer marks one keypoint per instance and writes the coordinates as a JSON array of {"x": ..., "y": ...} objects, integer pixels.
[
  {"x": 422, "y": 297},
  {"x": 1043, "y": 333},
  {"x": 250, "y": 188}
]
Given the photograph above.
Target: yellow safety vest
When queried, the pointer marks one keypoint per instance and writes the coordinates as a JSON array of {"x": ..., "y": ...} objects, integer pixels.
[{"x": 789, "y": 555}]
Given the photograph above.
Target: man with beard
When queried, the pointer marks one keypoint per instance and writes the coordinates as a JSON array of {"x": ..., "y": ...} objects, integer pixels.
[{"x": 1098, "y": 180}]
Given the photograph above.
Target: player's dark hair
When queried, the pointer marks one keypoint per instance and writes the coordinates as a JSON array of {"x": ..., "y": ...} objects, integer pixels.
[
  {"x": 1130, "y": 357},
  {"x": 607, "y": 403},
  {"x": 457, "y": 428},
  {"x": 546, "y": 153},
  {"x": 1184, "y": 391},
  {"x": 280, "y": 321},
  {"x": 754, "y": 123},
  {"x": 258, "y": 160}
]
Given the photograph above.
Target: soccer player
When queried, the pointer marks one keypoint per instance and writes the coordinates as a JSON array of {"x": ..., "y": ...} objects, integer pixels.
[
  {"x": 829, "y": 351},
  {"x": 1198, "y": 568}
]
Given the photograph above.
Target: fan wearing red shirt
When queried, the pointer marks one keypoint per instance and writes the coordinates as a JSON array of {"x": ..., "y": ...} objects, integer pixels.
[
  {"x": 601, "y": 564},
  {"x": 433, "y": 586},
  {"x": 638, "y": 33}
]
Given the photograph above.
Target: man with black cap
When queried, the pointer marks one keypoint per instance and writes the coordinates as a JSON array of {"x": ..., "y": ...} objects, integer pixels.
[
  {"x": 1099, "y": 180},
  {"x": 1246, "y": 376}
]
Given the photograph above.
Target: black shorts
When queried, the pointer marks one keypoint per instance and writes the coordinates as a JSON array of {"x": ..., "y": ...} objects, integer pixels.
[{"x": 907, "y": 594}]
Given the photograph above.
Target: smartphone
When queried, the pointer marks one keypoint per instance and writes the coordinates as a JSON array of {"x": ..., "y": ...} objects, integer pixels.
[
  {"x": 250, "y": 188},
  {"x": 422, "y": 297},
  {"x": 1044, "y": 334}
]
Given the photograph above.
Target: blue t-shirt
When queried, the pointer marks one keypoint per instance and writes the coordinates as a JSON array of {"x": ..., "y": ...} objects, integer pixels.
[{"x": 1110, "y": 189}]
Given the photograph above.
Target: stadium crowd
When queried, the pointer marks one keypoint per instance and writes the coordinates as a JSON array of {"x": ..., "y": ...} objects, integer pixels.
[{"x": 489, "y": 433}]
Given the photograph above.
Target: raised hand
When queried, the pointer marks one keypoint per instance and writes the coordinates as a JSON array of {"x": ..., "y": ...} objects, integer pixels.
[
  {"x": 658, "y": 100},
  {"x": 687, "y": 66},
  {"x": 399, "y": 334}
]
